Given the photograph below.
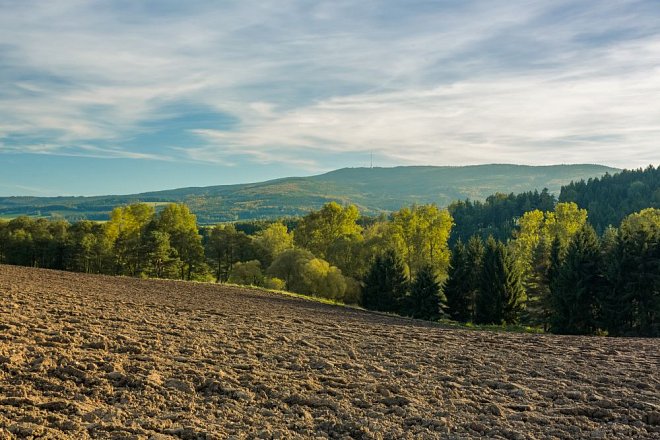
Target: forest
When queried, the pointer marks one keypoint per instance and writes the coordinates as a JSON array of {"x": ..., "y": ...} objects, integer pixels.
[{"x": 529, "y": 259}]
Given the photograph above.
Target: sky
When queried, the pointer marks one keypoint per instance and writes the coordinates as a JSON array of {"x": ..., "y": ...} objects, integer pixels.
[{"x": 124, "y": 96}]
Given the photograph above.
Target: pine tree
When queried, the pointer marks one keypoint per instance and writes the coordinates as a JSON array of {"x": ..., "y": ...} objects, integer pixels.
[
  {"x": 475, "y": 255},
  {"x": 386, "y": 284},
  {"x": 456, "y": 288},
  {"x": 578, "y": 287},
  {"x": 425, "y": 300},
  {"x": 638, "y": 291},
  {"x": 501, "y": 296}
]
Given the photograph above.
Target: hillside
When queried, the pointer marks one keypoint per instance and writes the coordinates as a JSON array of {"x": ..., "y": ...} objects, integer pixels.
[
  {"x": 85, "y": 356},
  {"x": 373, "y": 190},
  {"x": 612, "y": 197}
]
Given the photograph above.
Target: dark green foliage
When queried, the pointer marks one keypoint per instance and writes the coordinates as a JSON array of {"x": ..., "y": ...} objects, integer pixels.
[
  {"x": 632, "y": 302},
  {"x": 578, "y": 286},
  {"x": 425, "y": 300},
  {"x": 612, "y": 197},
  {"x": 501, "y": 297},
  {"x": 496, "y": 216},
  {"x": 386, "y": 284},
  {"x": 456, "y": 287},
  {"x": 225, "y": 246}
]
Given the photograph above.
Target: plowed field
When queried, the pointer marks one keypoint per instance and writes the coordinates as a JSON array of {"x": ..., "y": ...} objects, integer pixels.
[{"x": 86, "y": 356}]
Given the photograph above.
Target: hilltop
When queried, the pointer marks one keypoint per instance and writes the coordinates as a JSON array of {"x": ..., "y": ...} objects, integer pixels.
[{"x": 373, "y": 190}]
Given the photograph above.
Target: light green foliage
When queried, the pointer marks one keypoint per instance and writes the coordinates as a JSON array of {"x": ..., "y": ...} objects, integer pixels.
[
  {"x": 125, "y": 230},
  {"x": 318, "y": 230},
  {"x": 531, "y": 249},
  {"x": 180, "y": 224},
  {"x": 289, "y": 266},
  {"x": 323, "y": 280},
  {"x": 274, "y": 283},
  {"x": 304, "y": 273},
  {"x": 420, "y": 235},
  {"x": 247, "y": 273},
  {"x": 272, "y": 241}
]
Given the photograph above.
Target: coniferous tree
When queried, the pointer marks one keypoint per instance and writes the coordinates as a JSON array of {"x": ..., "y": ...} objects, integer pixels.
[
  {"x": 386, "y": 284},
  {"x": 425, "y": 300},
  {"x": 578, "y": 287},
  {"x": 456, "y": 288},
  {"x": 636, "y": 295},
  {"x": 475, "y": 255},
  {"x": 501, "y": 296}
]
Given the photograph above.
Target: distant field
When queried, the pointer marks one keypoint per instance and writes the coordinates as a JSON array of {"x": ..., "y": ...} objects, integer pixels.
[{"x": 93, "y": 356}]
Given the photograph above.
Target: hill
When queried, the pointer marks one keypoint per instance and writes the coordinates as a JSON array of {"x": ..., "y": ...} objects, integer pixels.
[
  {"x": 373, "y": 190},
  {"x": 612, "y": 197},
  {"x": 84, "y": 356}
]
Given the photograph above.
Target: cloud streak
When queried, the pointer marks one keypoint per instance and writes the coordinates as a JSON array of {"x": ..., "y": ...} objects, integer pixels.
[{"x": 415, "y": 82}]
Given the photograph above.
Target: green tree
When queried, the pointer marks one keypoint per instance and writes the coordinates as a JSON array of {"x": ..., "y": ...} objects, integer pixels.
[
  {"x": 290, "y": 267},
  {"x": 272, "y": 241},
  {"x": 633, "y": 302},
  {"x": 386, "y": 284},
  {"x": 501, "y": 297},
  {"x": 125, "y": 230},
  {"x": 162, "y": 260},
  {"x": 180, "y": 224},
  {"x": 425, "y": 301},
  {"x": 4, "y": 240},
  {"x": 420, "y": 235},
  {"x": 456, "y": 287},
  {"x": 319, "y": 229},
  {"x": 225, "y": 247},
  {"x": 247, "y": 273},
  {"x": 323, "y": 280},
  {"x": 578, "y": 287}
]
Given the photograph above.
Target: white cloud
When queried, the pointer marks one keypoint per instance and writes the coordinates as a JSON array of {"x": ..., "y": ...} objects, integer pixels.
[{"x": 522, "y": 81}]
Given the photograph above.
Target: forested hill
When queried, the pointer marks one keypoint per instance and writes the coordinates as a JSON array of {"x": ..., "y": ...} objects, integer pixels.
[
  {"x": 612, "y": 197},
  {"x": 373, "y": 190}
]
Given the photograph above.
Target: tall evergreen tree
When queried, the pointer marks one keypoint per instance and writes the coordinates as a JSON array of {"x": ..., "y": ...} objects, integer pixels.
[
  {"x": 578, "y": 286},
  {"x": 475, "y": 255},
  {"x": 425, "y": 300},
  {"x": 386, "y": 284},
  {"x": 456, "y": 288},
  {"x": 501, "y": 296},
  {"x": 636, "y": 292}
]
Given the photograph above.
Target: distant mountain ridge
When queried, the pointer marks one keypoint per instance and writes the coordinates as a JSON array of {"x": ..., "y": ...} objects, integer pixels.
[{"x": 373, "y": 190}]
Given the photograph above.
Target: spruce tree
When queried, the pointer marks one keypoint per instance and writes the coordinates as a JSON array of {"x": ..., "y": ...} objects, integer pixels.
[
  {"x": 578, "y": 287},
  {"x": 386, "y": 284},
  {"x": 638, "y": 292},
  {"x": 425, "y": 300},
  {"x": 475, "y": 255},
  {"x": 456, "y": 288},
  {"x": 501, "y": 296}
]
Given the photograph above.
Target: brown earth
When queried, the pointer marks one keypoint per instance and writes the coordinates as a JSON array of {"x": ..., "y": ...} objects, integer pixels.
[{"x": 92, "y": 356}]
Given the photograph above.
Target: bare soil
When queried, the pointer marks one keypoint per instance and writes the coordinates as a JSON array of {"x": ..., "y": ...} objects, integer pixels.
[{"x": 86, "y": 356}]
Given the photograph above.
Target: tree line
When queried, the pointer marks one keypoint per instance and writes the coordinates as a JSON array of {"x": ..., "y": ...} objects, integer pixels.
[{"x": 534, "y": 261}]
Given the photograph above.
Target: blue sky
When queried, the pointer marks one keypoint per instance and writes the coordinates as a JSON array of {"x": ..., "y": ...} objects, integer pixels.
[{"x": 102, "y": 97}]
